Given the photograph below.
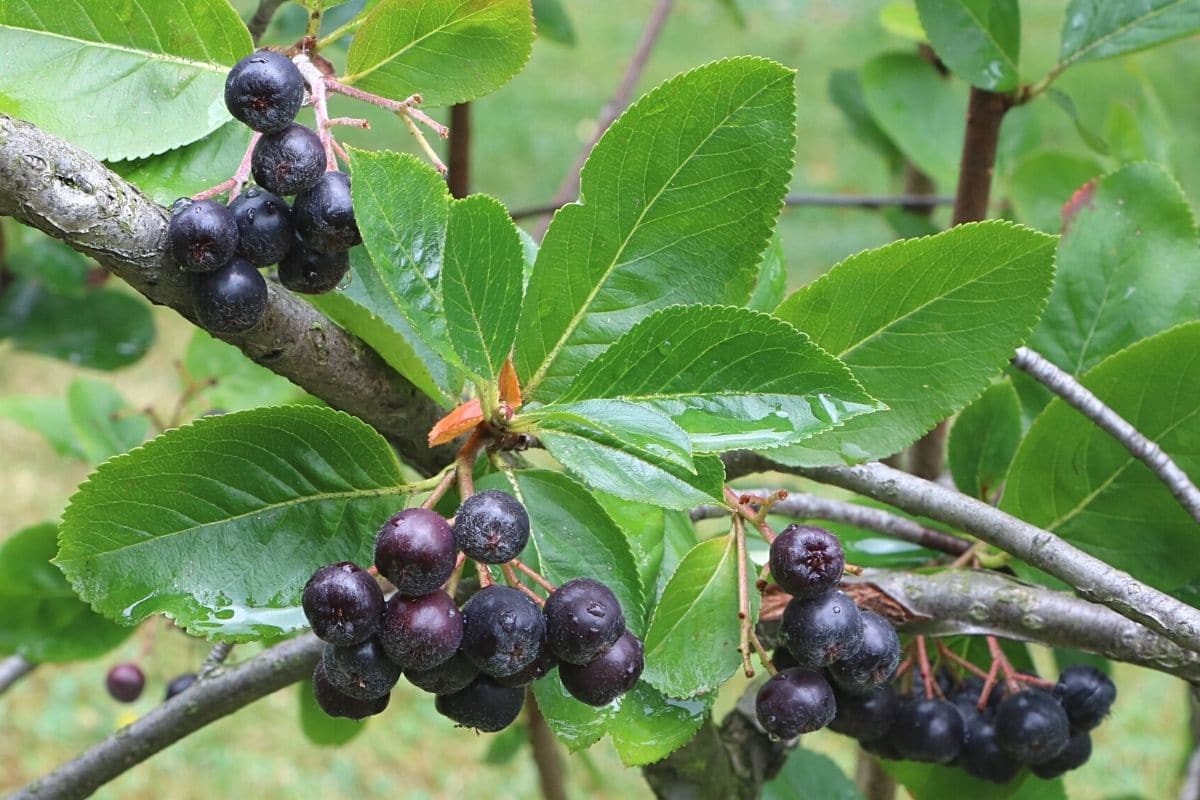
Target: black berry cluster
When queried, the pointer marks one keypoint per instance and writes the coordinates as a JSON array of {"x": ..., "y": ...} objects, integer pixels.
[
  {"x": 125, "y": 682},
  {"x": 225, "y": 246},
  {"x": 476, "y": 659},
  {"x": 826, "y": 641},
  {"x": 993, "y": 739}
]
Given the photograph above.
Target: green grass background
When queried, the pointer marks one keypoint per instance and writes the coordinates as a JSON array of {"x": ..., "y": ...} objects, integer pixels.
[{"x": 526, "y": 136}]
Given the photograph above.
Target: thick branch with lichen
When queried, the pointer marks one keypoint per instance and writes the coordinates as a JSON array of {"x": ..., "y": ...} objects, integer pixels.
[{"x": 56, "y": 187}]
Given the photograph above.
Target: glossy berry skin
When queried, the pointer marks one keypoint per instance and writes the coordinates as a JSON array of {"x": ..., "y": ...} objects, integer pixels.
[
  {"x": 1031, "y": 726},
  {"x": 484, "y": 705},
  {"x": 325, "y": 214},
  {"x": 202, "y": 235},
  {"x": 264, "y": 91},
  {"x": 806, "y": 561},
  {"x": 609, "y": 675},
  {"x": 865, "y": 717},
  {"x": 545, "y": 663},
  {"x": 583, "y": 617},
  {"x": 1086, "y": 694},
  {"x": 793, "y": 702},
  {"x": 308, "y": 272},
  {"x": 981, "y": 756},
  {"x": 231, "y": 300},
  {"x": 875, "y": 662},
  {"x": 421, "y": 632},
  {"x": 455, "y": 674},
  {"x": 415, "y": 551},
  {"x": 180, "y": 683},
  {"x": 125, "y": 682},
  {"x": 343, "y": 604},
  {"x": 338, "y": 704},
  {"x": 930, "y": 730},
  {"x": 1073, "y": 756},
  {"x": 289, "y": 161},
  {"x": 362, "y": 670},
  {"x": 822, "y": 630},
  {"x": 503, "y": 630},
  {"x": 491, "y": 527},
  {"x": 264, "y": 223}
]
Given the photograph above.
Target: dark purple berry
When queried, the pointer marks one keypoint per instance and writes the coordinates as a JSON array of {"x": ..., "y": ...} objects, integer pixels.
[
  {"x": 607, "y": 676},
  {"x": 965, "y": 694},
  {"x": 362, "y": 670},
  {"x": 1086, "y": 694},
  {"x": 1031, "y": 726},
  {"x": 783, "y": 659},
  {"x": 491, "y": 527},
  {"x": 264, "y": 223},
  {"x": 202, "y": 234},
  {"x": 503, "y": 630},
  {"x": 484, "y": 705},
  {"x": 415, "y": 551},
  {"x": 264, "y": 91},
  {"x": 288, "y": 161},
  {"x": 865, "y": 717},
  {"x": 231, "y": 300},
  {"x": 793, "y": 702},
  {"x": 452, "y": 676},
  {"x": 421, "y": 632},
  {"x": 822, "y": 630},
  {"x": 343, "y": 604},
  {"x": 339, "y": 704},
  {"x": 583, "y": 617},
  {"x": 543, "y": 666},
  {"x": 930, "y": 730},
  {"x": 981, "y": 756},
  {"x": 875, "y": 662},
  {"x": 179, "y": 683},
  {"x": 125, "y": 682},
  {"x": 806, "y": 561},
  {"x": 1073, "y": 756},
  {"x": 325, "y": 215},
  {"x": 309, "y": 272}
]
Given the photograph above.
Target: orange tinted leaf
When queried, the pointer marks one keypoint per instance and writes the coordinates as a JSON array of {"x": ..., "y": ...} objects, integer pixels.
[
  {"x": 510, "y": 387},
  {"x": 456, "y": 423}
]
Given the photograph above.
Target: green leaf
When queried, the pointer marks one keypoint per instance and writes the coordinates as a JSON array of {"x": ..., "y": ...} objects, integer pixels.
[
  {"x": 1127, "y": 268},
  {"x": 808, "y": 774},
  {"x": 237, "y": 382},
  {"x": 637, "y": 430},
  {"x": 930, "y": 782},
  {"x": 576, "y": 724},
  {"x": 731, "y": 377},
  {"x": 924, "y": 324},
  {"x": 405, "y": 47},
  {"x": 120, "y": 80},
  {"x": 218, "y": 524},
  {"x": 983, "y": 440},
  {"x": 677, "y": 202},
  {"x": 44, "y": 415},
  {"x": 919, "y": 110},
  {"x": 481, "y": 284},
  {"x": 102, "y": 329},
  {"x": 1072, "y": 478},
  {"x": 900, "y": 18},
  {"x": 692, "y": 643},
  {"x": 1042, "y": 183},
  {"x": 320, "y": 728},
  {"x": 650, "y": 726},
  {"x": 1094, "y": 30},
  {"x": 771, "y": 286},
  {"x": 979, "y": 40},
  {"x": 571, "y": 536},
  {"x": 102, "y": 423},
  {"x": 845, "y": 90},
  {"x": 190, "y": 169},
  {"x": 553, "y": 23},
  {"x": 1086, "y": 134},
  {"x": 41, "y": 619},
  {"x": 29, "y": 253}
]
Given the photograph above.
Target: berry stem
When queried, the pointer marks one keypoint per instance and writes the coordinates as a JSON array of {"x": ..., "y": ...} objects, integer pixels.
[
  {"x": 316, "y": 88},
  {"x": 485, "y": 575},
  {"x": 1033, "y": 680},
  {"x": 950, "y": 655},
  {"x": 1010, "y": 675},
  {"x": 747, "y": 514},
  {"x": 427, "y": 148},
  {"x": 443, "y": 485},
  {"x": 931, "y": 687},
  {"x": 464, "y": 464},
  {"x": 762, "y": 583},
  {"x": 456, "y": 575},
  {"x": 763, "y": 655},
  {"x": 533, "y": 574},
  {"x": 989, "y": 683},
  {"x": 233, "y": 185},
  {"x": 215, "y": 659},
  {"x": 510, "y": 576},
  {"x": 739, "y": 538}
]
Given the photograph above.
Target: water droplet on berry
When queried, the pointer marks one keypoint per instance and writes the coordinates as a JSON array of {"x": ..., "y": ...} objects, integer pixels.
[{"x": 345, "y": 282}]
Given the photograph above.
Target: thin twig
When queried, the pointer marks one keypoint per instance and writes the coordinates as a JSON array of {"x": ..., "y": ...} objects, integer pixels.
[
  {"x": 510, "y": 576},
  {"x": 931, "y": 687},
  {"x": 533, "y": 574},
  {"x": 442, "y": 487},
  {"x": 12, "y": 669},
  {"x": 216, "y": 657},
  {"x": 234, "y": 185},
  {"x": 546, "y": 755},
  {"x": 802, "y": 200},
  {"x": 947, "y": 653},
  {"x": 1139, "y": 446},
  {"x": 733, "y": 498},
  {"x": 616, "y": 104},
  {"x": 744, "y": 624},
  {"x": 262, "y": 18}
]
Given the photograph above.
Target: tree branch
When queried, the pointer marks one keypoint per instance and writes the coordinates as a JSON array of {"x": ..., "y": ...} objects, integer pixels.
[
  {"x": 546, "y": 756},
  {"x": 613, "y": 108},
  {"x": 204, "y": 702},
  {"x": 61, "y": 190},
  {"x": 12, "y": 669},
  {"x": 982, "y": 602},
  {"x": 1148, "y": 452},
  {"x": 458, "y": 163},
  {"x": 808, "y": 506},
  {"x": 262, "y": 18}
]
